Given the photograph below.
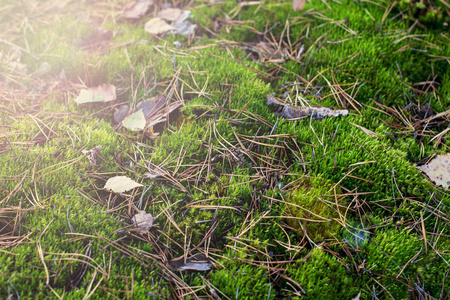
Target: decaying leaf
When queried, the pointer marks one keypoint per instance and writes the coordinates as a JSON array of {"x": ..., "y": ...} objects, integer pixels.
[
  {"x": 438, "y": 170},
  {"x": 174, "y": 14},
  {"x": 135, "y": 122},
  {"x": 288, "y": 111},
  {"x": 137, "y": 9},
  {"x": 152, "y": 105},
  {"x": 178, "y": 19},
  {"x": 298, "y": 4},
  {"x": 120, "y": 184},
  {"x": 107, "y": 91},
  {"x": 88, "y": 96},
  {"x": 184, "y": 28},
  {"x": 197, "y": 262},
  {"x": 157, "y": 26},
  {"x": 143, "y": 221},
  {"x": 121, "y": 113},
  {"x": 91, "y": 154},
  {"x": 268, "y": 52},
  {"x": 102, "y": 93}
]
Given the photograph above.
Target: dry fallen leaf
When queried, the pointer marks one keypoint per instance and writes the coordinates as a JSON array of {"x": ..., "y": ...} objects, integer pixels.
[
  {"x": 143, "y": 221},
  {"x": 157, "y": 26},
  {"x": 184, "y": 28},
  {"x": 137, "y": 9},
  {"x": 91, "y": 154},
  {"x": 88, "y": 96},
  {"x": 107, "y": 91},
  {"x": 298, "y": 4},
  {"x": 102, "y": 93},
  {"x": 121, "y": 184},
  {"x": 288, "y": 111},
  {"x": 135, "y": 122},
  {"x": 438, "y": 170},
  {"x": 152, "y": 105},
  {"x": 172, "y": 14}
]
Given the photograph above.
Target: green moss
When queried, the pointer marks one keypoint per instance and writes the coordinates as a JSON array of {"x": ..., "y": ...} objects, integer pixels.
[
  {"x": 322, "y": 276},
  {"x": 314, "y": 210}
]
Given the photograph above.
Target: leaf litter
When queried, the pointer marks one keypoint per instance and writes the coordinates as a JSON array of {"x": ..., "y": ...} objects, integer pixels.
[
  {"x": 143, "y": 221},
  {"x": 290, "y": 112},
  {"x": 198, "y": 262},
  {"x": 92, "y": 154},
  {"x": 136, "y": 10},
  {"x": 438, "y": 170},
  {"x": 102, "y": 93},
  {"x": 120, "y": 184},
  {"x": 178, "y": 22}
]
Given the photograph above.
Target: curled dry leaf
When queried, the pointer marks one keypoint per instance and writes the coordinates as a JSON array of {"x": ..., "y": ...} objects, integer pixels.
[
  {"x": 143, "y": 221},
  {"x": 438, "y": 170},
  {"x": 137, "y": 9},
  {"x": 91, "y": 154},
  {"x": 298, "y": 4},
  {"x": 157, "y": 26},
  {"x": 197, "y": 262},
  {"x": 288, "y": 111},
  {"x": 120, "y": 184}
]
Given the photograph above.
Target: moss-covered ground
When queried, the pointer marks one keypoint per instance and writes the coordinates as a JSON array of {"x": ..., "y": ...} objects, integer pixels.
[{"x": 283, "y": 209}]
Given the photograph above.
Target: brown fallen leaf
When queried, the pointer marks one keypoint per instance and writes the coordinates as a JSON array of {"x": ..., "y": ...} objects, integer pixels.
[
  {"x": 438, "y": 170},
  {"x": 137, "y": 9},
  {"x": 157, "y": 26},
  {"x": 197, "y": 262},
  {"x": 107, "y": 91},
  {"x": 298, "y": 4},
  {"x": 91, "y": 154},
  {"x": 288, "y": 111},
  {"x": 102, "y": 93},
  {"x": 143, "y": 221},
  {"x": 174, "y": 14}
]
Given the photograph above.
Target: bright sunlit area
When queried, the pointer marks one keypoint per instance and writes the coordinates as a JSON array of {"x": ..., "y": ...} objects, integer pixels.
[{"x": 223, "y": 149}]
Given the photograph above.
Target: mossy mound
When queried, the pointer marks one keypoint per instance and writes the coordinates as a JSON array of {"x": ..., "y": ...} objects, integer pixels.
[{"x": 315, "y": 208}]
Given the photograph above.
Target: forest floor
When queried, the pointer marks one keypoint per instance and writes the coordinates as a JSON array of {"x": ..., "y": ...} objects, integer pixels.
[{"x": 224, "y": 150}]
